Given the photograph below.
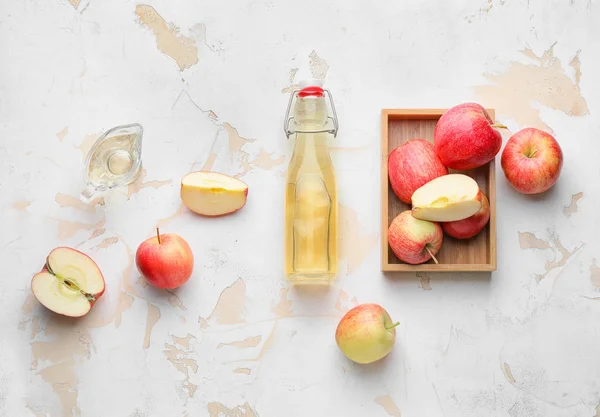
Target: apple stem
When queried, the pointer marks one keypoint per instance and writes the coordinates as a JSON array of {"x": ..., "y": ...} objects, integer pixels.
[
  {"x": 499, "y": 126},
  {"x": 431, "y": 254},
  {"x": 392, "y": 326},
  {"x": 158, "y": 235}
]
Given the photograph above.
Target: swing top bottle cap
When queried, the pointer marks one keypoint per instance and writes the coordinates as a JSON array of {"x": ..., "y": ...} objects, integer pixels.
[{"x": 311, "y": 91}]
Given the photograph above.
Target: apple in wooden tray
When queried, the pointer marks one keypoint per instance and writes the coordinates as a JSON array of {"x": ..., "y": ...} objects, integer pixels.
[
  {"x": 448, "y": 198},
  {"x": 212, "y": 194},
  {"x": 414, "y": 241},
  {"x": 465, "y": 137},
  {"x": 69, "y": 283},
  {"x": 165, "y": 261},
  {"x": 471, "y": 226},
  {"x": 532, "y": 161},
  {"x": 366, "y": 333},
  {"x": 412, "y": 165}
]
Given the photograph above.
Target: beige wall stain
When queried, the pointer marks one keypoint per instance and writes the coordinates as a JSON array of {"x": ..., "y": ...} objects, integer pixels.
[
  {"x": 318, "y": 66},
  {"x": 355, "y": 244},
  {"x": 216, "y": 409},
  {"x": 75, "y": 3},
  {"x": 151, "y": 320},
  {"x": 246, "y": 371},
  {"x": 388, "y": 405},
  {"x": 62, "y": 134},
  {"x": 266, "y": 160},
  {"x": 508, "y": 373},
  {"x": 183, "y": 341},
  {"x": 292, "y": 85},
  {"x": 545, "y": 81},
  {"x": 21, "y": 205},
  {"x": 248, "y": 342},
  {"x": 169, "y": 41},
  {"x": 55, "y": 359},
  {"x": 139, "y": 183},
  {"x": 595, "y": 274},
  {"x": 564, "y": 254},
  {"x": 107, "y": 242},
  {"x": 573, "y": 207},
  {"x": 424, "y": 281},
  {"x": 230, "y": 306},
  {"x": 598, "y": 411},
  {"x": 68, "y": 201},
  {"x": 344, "y": 302},
  {"x": 182, "y": 361},
  {"x": 528, "y": 240},
  {"x": 284, "y": 307}
]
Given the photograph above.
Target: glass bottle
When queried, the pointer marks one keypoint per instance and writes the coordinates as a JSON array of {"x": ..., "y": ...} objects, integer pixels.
[{"x": 311, "y": 206}]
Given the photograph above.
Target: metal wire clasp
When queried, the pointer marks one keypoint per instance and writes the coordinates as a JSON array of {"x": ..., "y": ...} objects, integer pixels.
[{"x": 288, "y": 119}]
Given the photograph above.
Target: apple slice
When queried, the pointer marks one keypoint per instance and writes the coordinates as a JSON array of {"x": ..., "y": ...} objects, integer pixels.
[
  {"x": 212, "y": 194},
  {"x": 69, "y": 284},
  {"x": 447, "y": 198}
]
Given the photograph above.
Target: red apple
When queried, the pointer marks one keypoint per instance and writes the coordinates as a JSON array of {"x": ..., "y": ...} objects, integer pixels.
[
  {"x": 166, "y": 261},
  {"x": 471, "y": 226},
  {"x": 465, "y": 137},
  {"x": 69, "y": 283},
  {"x": 412, "y": 165},
  {"x": 532, "y": 160},
  {"x": 366, "y": 333},
  {"x": 414, "y": 241}
]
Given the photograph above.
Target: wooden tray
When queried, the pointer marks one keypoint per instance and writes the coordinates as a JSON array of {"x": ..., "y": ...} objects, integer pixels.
[{"x": 476, "y": 254}]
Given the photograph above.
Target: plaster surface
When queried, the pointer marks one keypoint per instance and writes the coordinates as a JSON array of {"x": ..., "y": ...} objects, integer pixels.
[{"x": 209, "y": 81}]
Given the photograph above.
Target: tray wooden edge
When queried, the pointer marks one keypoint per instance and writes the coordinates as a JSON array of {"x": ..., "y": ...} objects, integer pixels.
[{"x": 414, "y": 113}]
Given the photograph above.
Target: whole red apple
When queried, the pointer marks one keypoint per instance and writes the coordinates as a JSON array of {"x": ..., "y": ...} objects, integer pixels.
[
  {"x": 166, "y": 261},
  {"x": 465, "y": 137},
  {"x": 471, "y": 226},
  {"x": 412, "y": 165},
  {"x": 414, "y": 241},
  {"x": 532, "y": 160},
  {"x": 366, "y": 333}
]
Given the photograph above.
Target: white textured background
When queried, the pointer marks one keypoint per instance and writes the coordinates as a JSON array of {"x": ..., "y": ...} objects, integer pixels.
[{"x": 208, "y": 81}]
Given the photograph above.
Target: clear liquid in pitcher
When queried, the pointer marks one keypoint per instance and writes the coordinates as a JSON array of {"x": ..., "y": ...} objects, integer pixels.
[{"x": 114, "y": 160}]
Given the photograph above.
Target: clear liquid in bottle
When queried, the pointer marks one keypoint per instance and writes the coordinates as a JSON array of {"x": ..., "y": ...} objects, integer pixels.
[{"x": 311, "y": 207}]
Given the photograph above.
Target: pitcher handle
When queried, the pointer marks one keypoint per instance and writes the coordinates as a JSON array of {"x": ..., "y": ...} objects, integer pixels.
[{"x": 87, "y": 194}]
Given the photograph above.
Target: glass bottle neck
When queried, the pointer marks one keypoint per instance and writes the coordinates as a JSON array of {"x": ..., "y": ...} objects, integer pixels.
[{"x": 310, "y": 113}]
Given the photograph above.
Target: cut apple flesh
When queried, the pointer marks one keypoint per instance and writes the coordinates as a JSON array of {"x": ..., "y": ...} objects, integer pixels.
[
  {"x": 69, "y": 283},
  {"x": 447, "y": 198},
  {"x": 213, "y": 194}
]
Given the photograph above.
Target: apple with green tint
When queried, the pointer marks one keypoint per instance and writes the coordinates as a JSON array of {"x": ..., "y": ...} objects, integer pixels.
[
  {"x": 69, "y": 283},
  {"x": 414, "y": 241},
  {"x": 532, "y": 161},
  {"x": 366, "y": 333}
]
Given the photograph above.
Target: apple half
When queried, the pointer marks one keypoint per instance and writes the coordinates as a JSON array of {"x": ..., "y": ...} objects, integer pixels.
[
  {"x": 447, "y": 198},
  {"x": 213, "y": 194},
  {"x": 69, "y": 283}
]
